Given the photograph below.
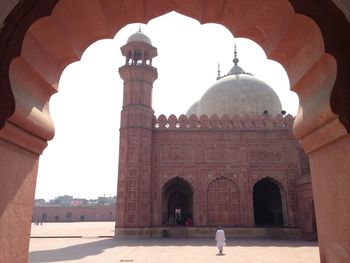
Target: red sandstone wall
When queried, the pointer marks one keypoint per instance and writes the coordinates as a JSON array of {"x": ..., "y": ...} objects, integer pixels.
[
  {"x": 243, "y": 153},
  {"x": 89, "y": 213},
  {"x": 306, "y": 214}
]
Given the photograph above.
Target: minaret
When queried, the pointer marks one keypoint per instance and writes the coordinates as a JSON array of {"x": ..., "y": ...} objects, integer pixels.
[{"x": 134, "y": 179}]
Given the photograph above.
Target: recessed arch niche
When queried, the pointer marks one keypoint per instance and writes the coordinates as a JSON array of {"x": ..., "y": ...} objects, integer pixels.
[{"x": 223, "y": 203}]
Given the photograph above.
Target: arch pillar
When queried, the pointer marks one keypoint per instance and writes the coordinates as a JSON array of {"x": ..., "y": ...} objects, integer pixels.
[
  {"x": 22, "y": 140},
  {"x": 331, "y": 183},
  {"x": 17, "y": 188},
  {"x": 327, "y": 144}
]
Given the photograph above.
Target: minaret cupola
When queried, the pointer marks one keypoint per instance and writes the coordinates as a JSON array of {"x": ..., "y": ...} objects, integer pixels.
[
  {"x": 137, "y": 72},
  {"x": 139, "y": 50}
]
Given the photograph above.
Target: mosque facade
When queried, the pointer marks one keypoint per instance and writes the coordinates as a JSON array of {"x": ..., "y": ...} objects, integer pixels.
[{"x": 232, "y": 160}]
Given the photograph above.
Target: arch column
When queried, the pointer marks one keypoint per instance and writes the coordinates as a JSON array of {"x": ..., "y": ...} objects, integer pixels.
[
  {"x": 22, "y": 140},
  {"x": 18, "y": 173},
  {"x": 330, "y": 182},
  {"x": 327, "y": 144}
]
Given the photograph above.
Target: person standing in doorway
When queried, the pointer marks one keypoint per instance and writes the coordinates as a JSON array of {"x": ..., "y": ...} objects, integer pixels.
[
  {"x": 220, "y": 239},
  {"x": 178, "y": 215}
]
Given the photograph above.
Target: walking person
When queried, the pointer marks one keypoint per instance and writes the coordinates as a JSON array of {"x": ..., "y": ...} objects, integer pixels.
[{"x": 220, "y": 239}]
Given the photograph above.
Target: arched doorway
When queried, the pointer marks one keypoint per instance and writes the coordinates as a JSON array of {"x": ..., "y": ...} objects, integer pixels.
[
  {"x": 177, "y": 202},
  {"x": 267, "y": 203}
]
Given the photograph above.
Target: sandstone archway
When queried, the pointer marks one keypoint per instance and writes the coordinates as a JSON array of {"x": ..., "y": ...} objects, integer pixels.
[
  {"x": 292, "y": 39},
  {"x": 267, "y": 201},
  {"x": 177, "y": 202}
]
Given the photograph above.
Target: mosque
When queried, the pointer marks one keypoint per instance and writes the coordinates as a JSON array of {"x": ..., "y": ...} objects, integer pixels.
[{"x": 232, "y": 160}]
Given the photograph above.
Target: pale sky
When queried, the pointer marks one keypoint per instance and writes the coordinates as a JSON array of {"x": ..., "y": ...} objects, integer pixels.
[{"x": 82, "y": 159}]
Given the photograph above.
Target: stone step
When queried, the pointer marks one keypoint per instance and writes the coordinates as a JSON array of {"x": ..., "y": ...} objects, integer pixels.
[
  {"x": 175, "y": 232},
  {"x": 279, "y": 233}
]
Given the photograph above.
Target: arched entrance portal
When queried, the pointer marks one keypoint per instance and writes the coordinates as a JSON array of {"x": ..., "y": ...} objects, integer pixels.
[
  {"x": 177, "y": 202},
  {"x": 267, "y": 203}
]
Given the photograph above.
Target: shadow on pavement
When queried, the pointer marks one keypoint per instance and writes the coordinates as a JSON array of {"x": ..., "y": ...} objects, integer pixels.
[
  {"x": 72, "y": 252},
  {"x": 97, "y": 247}
]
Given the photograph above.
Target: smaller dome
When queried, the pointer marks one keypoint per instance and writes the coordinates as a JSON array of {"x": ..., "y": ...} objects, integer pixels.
[
  {"x": 139, "y": 37},
  {"x": 192, "y": 109},
  {"x": 236, "y": 70}
]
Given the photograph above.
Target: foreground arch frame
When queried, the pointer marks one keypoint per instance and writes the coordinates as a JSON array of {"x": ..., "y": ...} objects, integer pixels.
[{"x": 43, "y": 37}]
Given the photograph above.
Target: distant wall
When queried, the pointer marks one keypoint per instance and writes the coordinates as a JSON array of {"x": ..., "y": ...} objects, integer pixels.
[{"x": 74, "y": 213}]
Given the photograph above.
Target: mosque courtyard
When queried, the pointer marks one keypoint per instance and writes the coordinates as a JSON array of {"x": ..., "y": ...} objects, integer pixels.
[{"x": 94, "y": 242}]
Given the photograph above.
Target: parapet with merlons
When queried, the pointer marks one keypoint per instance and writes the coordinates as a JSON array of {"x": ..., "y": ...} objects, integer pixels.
[{"x": 236, "y": 122}]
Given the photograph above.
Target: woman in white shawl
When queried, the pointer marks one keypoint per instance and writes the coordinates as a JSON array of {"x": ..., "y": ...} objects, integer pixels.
[{"x": 220, "y": 239}]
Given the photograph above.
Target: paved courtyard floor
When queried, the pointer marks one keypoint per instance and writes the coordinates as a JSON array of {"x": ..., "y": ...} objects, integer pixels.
[{"x": 55, "y": 242}]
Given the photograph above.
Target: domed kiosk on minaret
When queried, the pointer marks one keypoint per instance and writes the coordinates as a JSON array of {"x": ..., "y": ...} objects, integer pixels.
[
  {"x": 139, "y": 36},
  {"x": 139, "y": 49}
]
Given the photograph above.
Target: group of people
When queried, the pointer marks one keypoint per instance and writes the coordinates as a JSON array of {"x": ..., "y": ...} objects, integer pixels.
[
  {"x": 178, "y": 219},
  {"x": 38, "y": 222}
]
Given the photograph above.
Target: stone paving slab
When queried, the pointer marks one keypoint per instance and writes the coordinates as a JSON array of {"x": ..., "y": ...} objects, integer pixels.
[{"x": 194, "y": 250}]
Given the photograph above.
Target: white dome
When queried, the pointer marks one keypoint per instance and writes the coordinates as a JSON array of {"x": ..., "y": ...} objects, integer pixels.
[
  {"x": 139, "y": 37},
  {"x": 239, "y": 94}
]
